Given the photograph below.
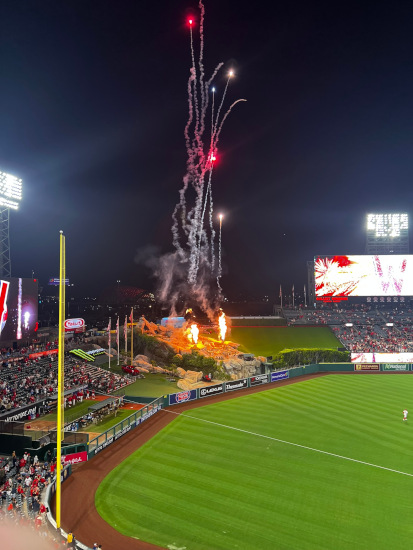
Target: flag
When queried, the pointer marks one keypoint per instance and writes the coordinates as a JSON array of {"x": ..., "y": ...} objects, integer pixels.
[
  {"x": 109, "y": 328},
  {"x": 280, "y": 292},
  {"x": 293, "y": 290},
  {"x": 131, "y": 316},
  {"x": 117, "y": 331},
  {"x": 125, "y": 333}
]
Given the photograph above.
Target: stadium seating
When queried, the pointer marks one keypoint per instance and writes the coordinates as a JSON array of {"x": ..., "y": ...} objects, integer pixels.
[{"x": 361, "y": 329}]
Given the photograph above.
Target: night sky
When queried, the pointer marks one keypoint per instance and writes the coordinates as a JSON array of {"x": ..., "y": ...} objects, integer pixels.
[{"x": 93, "y": 104}]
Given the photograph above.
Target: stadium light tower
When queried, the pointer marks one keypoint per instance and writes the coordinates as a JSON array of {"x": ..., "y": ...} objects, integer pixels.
[
  {"x": 387, "y": 233},
  {"x": 10, "y": 197}
]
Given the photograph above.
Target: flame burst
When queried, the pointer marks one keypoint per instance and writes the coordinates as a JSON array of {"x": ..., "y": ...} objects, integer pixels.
[
  {"x": 222, "y": 325},
  {"x": 193, "y": 333}
]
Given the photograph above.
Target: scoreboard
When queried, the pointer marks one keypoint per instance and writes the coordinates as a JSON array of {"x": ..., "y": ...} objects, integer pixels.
[{"x": 368, "y": 275}]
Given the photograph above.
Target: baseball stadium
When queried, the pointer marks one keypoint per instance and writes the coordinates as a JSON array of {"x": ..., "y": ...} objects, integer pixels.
[
  {"x": 197, "y": 425},
  {"x": 292, "y": 441}
]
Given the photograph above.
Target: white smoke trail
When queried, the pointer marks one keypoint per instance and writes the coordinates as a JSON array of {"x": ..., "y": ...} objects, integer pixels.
[{"x": 192, "y": 269}]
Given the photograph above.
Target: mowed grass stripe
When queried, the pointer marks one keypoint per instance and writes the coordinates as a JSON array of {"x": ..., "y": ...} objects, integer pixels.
[
  {"x": 265, "y": 494},
  {"x": 363, "y": 425}
]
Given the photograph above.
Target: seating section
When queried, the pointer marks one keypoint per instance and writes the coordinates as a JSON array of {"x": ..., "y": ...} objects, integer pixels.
[
  {"x": 362, "y": 329},
  {"x": 24, "y": 381},
  {"x": 22, "y": 481}
]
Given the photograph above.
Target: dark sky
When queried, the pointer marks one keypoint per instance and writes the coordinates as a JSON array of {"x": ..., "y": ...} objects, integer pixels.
[{"x": 93, "y": 104}]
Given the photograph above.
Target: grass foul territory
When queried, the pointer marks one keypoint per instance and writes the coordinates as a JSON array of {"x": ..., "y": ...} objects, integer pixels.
[{"x": 325, "y": 463}]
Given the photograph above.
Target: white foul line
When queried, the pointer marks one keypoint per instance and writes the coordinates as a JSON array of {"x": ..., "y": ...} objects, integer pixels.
[{"x": 290, "y": 443}]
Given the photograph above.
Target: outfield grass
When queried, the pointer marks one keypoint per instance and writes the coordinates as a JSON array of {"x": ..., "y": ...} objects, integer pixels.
[
  {"x": 153, "y": 385},
  {"x": 268, "y": 341},
  {"x": 224, "y": 476}
]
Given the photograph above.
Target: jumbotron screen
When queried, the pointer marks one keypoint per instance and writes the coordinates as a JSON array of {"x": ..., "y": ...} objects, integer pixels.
[
  {"x": 363, "y": 275},
  {"x": 18, "y": 308}
]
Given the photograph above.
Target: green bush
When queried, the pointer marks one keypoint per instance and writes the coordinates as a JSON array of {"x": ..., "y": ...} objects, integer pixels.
[
  {"x": 197, "y": 362},
  {"x": 293, "y": 357}
]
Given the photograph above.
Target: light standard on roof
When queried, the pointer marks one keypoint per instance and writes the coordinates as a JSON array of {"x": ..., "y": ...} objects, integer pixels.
[{"x": 10, "y": 197}]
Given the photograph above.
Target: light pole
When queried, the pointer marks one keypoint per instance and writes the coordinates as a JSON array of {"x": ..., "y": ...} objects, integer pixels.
[
  {"x": 10, "y": 197},
  {"x": 220, "y": 251}
]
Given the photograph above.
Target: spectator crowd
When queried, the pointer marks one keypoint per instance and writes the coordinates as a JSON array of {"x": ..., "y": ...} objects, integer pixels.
[
  {"x": 364, "y": 328},
  {"x": 22, "y": 481},
  {"x": 25, "y": 380}
]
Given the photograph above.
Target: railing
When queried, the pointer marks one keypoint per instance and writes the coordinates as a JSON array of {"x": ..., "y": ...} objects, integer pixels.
[{"x": 124, "y": 426}]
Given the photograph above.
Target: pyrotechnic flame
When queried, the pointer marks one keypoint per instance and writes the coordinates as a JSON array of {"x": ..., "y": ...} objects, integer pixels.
[
  {"x": 193, "y": 333},
  {"x": 222, "y": 325}
]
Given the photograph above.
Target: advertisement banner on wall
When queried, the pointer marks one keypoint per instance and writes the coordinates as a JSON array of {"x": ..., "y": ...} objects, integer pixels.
[
  {"x": 211, "y": 390},
  {"x": 236, "y": 384},
  {"x": 182, "y": 397},
  {"x": 25, "y": 413},
  {"x": 366, "y": 366},
  {"x": 75, "y": 458},
  {"x": 259, "y": 379},
  {"x": 280, "y": 375},
  {"x": 396, "y": 367}
]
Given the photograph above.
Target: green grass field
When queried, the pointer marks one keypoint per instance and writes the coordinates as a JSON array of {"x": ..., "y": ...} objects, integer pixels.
[
  {"x": 272, "y": 471},
  {"x": 268, "y": 341},
  {"x": 153, "y": 385}
]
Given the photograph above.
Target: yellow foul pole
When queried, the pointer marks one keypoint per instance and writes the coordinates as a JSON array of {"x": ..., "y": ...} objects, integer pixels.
[{"x": 60, "y": 376}]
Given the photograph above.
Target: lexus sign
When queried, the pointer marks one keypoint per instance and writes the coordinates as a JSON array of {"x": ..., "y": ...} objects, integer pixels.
[{"x": 74, "y": 324}]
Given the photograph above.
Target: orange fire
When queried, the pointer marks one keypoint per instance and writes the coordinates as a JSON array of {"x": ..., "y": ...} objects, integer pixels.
[
  {"x": 222, "y": 325},
  {"x": 193, "y": 333}
]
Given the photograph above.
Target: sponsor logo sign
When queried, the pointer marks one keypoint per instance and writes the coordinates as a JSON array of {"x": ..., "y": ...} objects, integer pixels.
[
  {"x": 75, "y": 458},
  {"x": 55, "y": 281},
  {"x": 236, "y": 384},
  {"x": 280, "y": 375},
  {"x": 211, "y": 390},
  {"x": 396, "y": 367},
  {"x": 21, "y": 414},
  {"x": 366, "y": 366},
  {"x": 259, "y": 379},
  {"x": 182, "y": 396},
  {"x": 73, "y": 324},
  {"x": 148, "y": 415}
]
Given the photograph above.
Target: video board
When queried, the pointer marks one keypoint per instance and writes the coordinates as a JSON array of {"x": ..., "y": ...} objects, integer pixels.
[
  {"x": 375, "y": 275},
  {"x": 18, "y": 309}
]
